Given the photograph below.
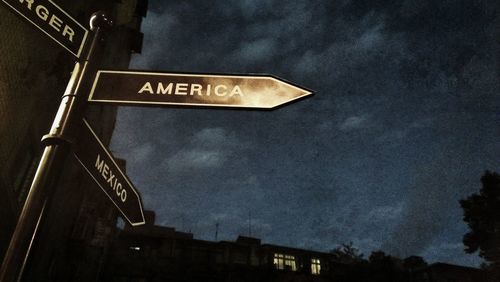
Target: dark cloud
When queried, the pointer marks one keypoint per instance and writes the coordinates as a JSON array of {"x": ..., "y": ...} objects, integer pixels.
[{"x": 403, "y": 123}]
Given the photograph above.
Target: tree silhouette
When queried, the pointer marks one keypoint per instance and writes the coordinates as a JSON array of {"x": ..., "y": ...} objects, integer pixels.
[
  {"x": 413, "y": 263},
  {"x": 347, "y": 253},
  {"x": 482, "y": 214}
]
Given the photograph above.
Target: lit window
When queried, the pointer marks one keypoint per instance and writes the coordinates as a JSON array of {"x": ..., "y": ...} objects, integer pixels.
[
  {"x": 135, "y": 248},
  {"x": 282, "y": 261},
  {"x": 315, "y": 266}
]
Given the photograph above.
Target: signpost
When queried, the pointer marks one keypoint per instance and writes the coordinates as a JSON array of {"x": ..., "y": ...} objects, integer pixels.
[
  {"x": 53, "y": 21},
  {"x": 57, "y": 143},
  {"x": 150, "y": 88},
  {"x": 102, "y": 167}
]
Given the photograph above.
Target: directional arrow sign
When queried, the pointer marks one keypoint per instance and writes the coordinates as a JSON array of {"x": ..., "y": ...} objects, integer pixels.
[
  {"x": 245, "y": 91},
  {"x": 102, "y": 167},
  {"x": 53, "y": 21}
]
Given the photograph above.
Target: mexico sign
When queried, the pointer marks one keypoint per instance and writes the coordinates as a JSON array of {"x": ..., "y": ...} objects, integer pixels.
[{"x": 102, "y": 167}]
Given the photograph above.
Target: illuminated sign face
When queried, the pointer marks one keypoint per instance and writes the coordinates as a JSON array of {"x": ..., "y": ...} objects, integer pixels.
[
  {"x": 102, "y": 167},
  {"x": 53, "y": 21},
  {"x": 245, "y": 91}
]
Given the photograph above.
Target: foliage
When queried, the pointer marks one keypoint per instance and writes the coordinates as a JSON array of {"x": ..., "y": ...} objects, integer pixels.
[
  {"x": 482, "y": 215},
  {"x": 413, "y": 263},
  {"x": 347, "y": 253},
  {"x": 379, "y": 267}
]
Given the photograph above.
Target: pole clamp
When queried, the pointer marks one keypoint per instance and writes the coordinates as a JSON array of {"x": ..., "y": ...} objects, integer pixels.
[{"x": 54, "y": 139}]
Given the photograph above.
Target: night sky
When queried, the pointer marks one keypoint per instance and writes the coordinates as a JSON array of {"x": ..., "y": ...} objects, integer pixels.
[{"x": 403, "y": 123}]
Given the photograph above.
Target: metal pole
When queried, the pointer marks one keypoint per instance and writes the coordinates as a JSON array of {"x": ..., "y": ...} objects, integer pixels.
[{"x": 57, "y": 145}]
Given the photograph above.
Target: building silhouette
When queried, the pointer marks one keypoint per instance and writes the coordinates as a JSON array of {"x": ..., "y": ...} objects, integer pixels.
[
  {"x": 156, "y": 253},
  {"x": 443, "y": 272}
]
